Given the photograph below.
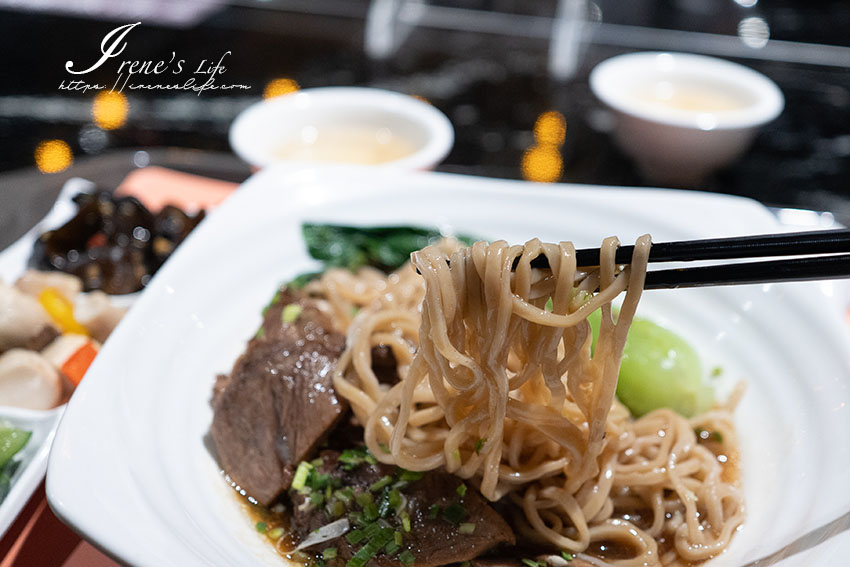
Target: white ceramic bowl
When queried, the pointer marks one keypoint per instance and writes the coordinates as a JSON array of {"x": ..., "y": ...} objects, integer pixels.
[
  {"x": 681, "y": 116},
  {"x": 267, "y": 132}
]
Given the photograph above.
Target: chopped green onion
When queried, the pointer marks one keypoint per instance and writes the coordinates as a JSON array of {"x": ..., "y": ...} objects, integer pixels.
[
  {"x": 276, "y": 533},
  {"x": 716, "y": 371},
  {"x": 397, "y": 537},
  {"x": 530, "y": 562},
  {"x": 346, "y": 495},
  {"x": 261, "y": 527},
  {"x": 391, "y": 548},
  {"x": 454, "y": 513},
  {"x": 405, "y": 521},
  {"x": 363, "y": 499},
  {"x": 394, "y": 499},
  {"x": 379, "y": 540},
  {"x": 370, "y": 511},
  {"x": 479, "y": 444},
  {"x": 550, "y": 305},
  {"x": 355, "y": 536},
  {"x": 567, "y": 556},
  {"x": 384, "y": 447},
  {"x": 456, "y": 454},
  {"x": 290, "y": 313},
  {"x": 434, "y": 511},
  {"x": 357, "y": 519},
  {"x": 406, "y": 558},
  {"x": 261, "y": 332},
  {"x": 466, "y": 528},
  {"x": 329, "y": 553},
  {"x": 370, "y": 458},
  {"x": 380, "y": 484},
  {"x": 301, "y": 473},
  {"x": 461, "y": 490},
  {"x": 372, "y": 530},
  {"x": 337, "y": 509},
  {"x": 410, "y": 476},
  {"x": 317, "y": 498},
  {"x": 717, "y": 436},
  {"x": 320, "y": 481}
]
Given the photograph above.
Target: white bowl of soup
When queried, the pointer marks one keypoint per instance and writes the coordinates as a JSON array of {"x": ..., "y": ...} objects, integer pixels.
[
  {"x": 681, "y": 116},
  {"x": 343, "y": 125}
]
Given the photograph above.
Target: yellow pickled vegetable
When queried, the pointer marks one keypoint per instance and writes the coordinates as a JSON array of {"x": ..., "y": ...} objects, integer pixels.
[{"x": 61, "y": 310}]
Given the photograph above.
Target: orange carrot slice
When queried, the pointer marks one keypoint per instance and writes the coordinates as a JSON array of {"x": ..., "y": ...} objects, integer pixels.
[{"x": 77, "y": 364}]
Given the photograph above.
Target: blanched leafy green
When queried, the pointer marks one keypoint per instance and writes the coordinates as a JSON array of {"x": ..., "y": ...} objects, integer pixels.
[
  {"x": 386, "y": 248},
  {"x": 12, "y": 440},
  {"x": 659, "y": 369}
]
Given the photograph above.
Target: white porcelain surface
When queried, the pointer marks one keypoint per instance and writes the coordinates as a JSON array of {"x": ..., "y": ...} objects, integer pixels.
[
  {"x": 13, "y": 261},
  {"x": 677, "y": 145},
  {"x": 33, "y": 457},
  {"x": 129, "y": 468},
  {"x": 262, "y": 127}
]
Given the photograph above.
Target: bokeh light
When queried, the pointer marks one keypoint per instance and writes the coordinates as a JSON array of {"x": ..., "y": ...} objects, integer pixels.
[
  {"x": 110, "y": 110},
  {"x": 754, "y": 32},
  {"x": 52, "y": 156},
  {"x": 550, "y": 128},
  {"x": 278, "y": 87},
  {"x": 542, "y": 163}
]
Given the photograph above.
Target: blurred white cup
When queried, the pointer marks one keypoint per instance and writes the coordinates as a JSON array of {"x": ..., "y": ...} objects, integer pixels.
[
  {"x": 681, "y": 116},
  {"x": 343, "y": 125}
]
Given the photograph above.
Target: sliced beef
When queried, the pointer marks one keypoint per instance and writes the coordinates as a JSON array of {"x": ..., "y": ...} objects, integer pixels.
[
  {"x": 441, "y": 516},
  {"x": 278, "y": 403},
  {"x": 384, "y": 364}
]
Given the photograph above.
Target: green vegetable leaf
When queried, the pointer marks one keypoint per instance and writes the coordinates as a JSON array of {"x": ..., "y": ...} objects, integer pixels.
[
  {"x": 12, "y": 440},
  {"x": 659, "y": 370},
  {"x": 386, "y": 248}
]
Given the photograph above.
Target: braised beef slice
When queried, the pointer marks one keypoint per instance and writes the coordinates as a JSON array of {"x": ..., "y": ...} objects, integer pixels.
[
  {"x": 278, "y": 402},
  {"x": 433, "y": 541}
]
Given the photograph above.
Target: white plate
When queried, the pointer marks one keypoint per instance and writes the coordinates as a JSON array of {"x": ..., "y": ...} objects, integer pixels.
[
  {"x": 13, "y": 261},
  {"x": 130, "y": 470},
  {"x": 33, "y": 457}
]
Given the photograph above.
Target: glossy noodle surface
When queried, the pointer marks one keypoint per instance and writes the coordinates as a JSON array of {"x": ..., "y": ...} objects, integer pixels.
[{"x": 498, "y": 385}]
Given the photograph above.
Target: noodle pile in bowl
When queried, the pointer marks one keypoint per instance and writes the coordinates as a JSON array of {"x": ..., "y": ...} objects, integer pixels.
[{"x": 498, "y": 387}]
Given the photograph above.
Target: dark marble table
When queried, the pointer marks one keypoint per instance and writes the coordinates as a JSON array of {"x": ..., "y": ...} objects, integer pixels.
[{"x": 493, "y": 86}]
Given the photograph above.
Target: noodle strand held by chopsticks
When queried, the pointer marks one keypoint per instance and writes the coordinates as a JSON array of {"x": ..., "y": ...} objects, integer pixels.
[{"x": 497, "y": 388}]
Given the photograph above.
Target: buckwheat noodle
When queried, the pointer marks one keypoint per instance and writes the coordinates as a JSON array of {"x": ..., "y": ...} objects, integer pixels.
[{"x": 496, "y": 388}]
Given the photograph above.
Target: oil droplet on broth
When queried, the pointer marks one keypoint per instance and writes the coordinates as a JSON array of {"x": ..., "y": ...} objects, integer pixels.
[{"x": 355, "y": 144}]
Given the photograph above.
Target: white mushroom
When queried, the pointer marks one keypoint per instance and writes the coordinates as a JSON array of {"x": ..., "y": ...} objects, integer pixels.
[
  {"x": 33, "y": 282},
  {"x": 27, "y": 380},
  {"x": 96, "y": 312},
  {"x": 21, "y": 317}
]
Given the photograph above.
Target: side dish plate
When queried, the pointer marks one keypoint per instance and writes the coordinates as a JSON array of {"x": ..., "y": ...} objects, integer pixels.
[{"x": 130, "y": 469}]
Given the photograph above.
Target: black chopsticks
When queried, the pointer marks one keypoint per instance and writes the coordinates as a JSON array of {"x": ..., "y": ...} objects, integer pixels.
[{"x": 828, "y": 251}]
